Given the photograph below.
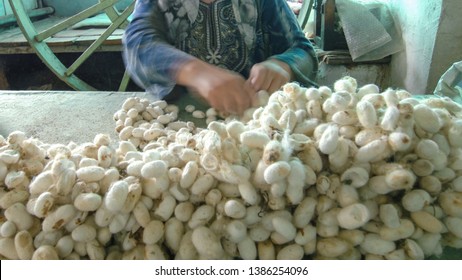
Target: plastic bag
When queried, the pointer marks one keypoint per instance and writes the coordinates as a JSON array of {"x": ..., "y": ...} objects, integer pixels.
[
  {"x": 450, "y": 83},
  {"x": 370, "y": 30}
]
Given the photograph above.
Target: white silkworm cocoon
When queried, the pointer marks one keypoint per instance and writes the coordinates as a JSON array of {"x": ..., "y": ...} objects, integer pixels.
[
  {"x": 329, "y": 139},
  {"x": 141, "y": 213},
  {"x": 126, "y": 133},
  {"x": 416, "y": 200},
  {"x": 314, "y": 109},
  {"x": 8, "y": 229},
  {"x": 17, "y": 213},
  {"x": 153, "y": 232},
  {"x": 189, "y": 108},
  {"x": 234, "y": 209},
  {"x": 65, "y": 246},
  {"x": 178, "y": 193},
  {"x": 253, "y": 215},
  {"x": 389, "y": 215},
  {"x": 201, "y": 216},
  {"x": 45, "y": 252},
  {"x": 152, "y": 133},
  {"x": 119, "y": 222},
  {"x": 254, "y": 139},
  {"x": 248, "y": 193},
  {"x": 183, "y": 211},
  {"x": 288, "y": 120},
  {"x": 276, "y": 171},
  {"x": 202, "y": 185},
  {"x": 235, "y": 129},
  {"x": 413, "y": 250},
  {"x": 83, "y": 233},
  {"x": 41, "y": 183},
  {"x": 372, "y": 151},
  {"x": 95, "y": 250},
  {"x": 247, "y": 249},
  {"x": 174, "y": 231},
  {"x": 11, "y": 197},
  {"x": 284, "y": 227},
  {"x": 278, "y": 189},
  {"x": 355, "y": 176},
  {"x": 368, "y": 135},
  {"x": 427, "y": 222},
  {"x": 8, "y": 248},
  {"x": 105, "y": 156},
  {"x": 400, "y": 179},
  {"x": 9, "y": 157},
  {"x": 138, "y": 132},
  {"x": 454, "y": 133},
  {"x": 390, "y": 119},
  {"x": 431, "y": 184},
  {"x": 426, "y": 149},
  {"x": 59, "y": 218},
  {"x": 348, "y": 131},
  {"x": 426, "y": 118},
  {"x": 374, "y": 244},
  {"x": 340, "y": 99},
  {"x": 405, "y": 229},
  {"x": 304, "y": 212},
  {"x": 454, "y": 225},
  {"x": 332, "y": 247},
  {"x": 24, "y": 245},
  {"x": 87, "y": 202},
  {"x": 198, "y": 114},
  {"x": 90, "y": 174},
  {"x": 266, "y": 250},
  {"x": 258, "y": 233},
  {"x": 84, "y": 162},
  {"x": 291, "y": 252},
  {"x": 165, "y": 208},
  {"x": 236, "y": 231},
  {"x": 345, "y": 117},
  {"x": 339, "y": 158},
  {"x": 346, "y": 195},
  {"x": 207, "y": 243},
  {"x": 43, "y": 204},
  {"x": 190, "y": 172},
  {"x": 154, "y": 169},
  {"x": 390, "y": 97},
  {"x": 296, "y": 180},
  {"x": 116, "y": 196},
  {"x": 311, "y": 158},
  {"x": 440, "y": 161},
  {"x": 353, "y": 216},
  {"x": 14, "y": 179},
  {"x": 399, "y": 141}
]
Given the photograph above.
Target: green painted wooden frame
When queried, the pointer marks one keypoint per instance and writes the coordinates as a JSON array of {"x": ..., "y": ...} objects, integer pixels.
[{"x": 38, "y": 40}]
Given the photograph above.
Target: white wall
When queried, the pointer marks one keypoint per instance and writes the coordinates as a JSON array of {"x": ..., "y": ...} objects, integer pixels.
[
  {"x": 419, "y": 21},
  {"x": 448, "y": 45}
]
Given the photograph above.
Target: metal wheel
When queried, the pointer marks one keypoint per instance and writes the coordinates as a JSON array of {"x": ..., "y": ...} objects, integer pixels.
[{"x": 38, "y": 39}]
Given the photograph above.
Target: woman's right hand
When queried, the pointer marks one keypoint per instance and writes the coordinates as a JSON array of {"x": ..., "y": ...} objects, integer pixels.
[{"x": 224, "y": 90}]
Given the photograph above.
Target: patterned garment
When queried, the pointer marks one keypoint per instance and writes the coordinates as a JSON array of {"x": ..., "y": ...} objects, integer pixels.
[
  {"x": 215, "y": 38},
  {"x": 165, "y": 34}
]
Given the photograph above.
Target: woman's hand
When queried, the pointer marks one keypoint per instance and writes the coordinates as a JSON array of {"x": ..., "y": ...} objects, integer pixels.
[
  {"x": 224, "y": 90},
  {"x": 269, "y": 75}
]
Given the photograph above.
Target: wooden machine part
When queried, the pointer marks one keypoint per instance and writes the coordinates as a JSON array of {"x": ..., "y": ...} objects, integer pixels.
[{"x": 329, "y": 34}]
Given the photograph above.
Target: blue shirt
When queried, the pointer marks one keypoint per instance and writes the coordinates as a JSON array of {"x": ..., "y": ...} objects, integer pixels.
[{"x": 160, "y": 39}]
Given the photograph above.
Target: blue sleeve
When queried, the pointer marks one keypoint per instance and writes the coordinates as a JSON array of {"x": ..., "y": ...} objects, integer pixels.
[
  {"x": 288, "y": 42},
  {"x": 149, "y": 57}
]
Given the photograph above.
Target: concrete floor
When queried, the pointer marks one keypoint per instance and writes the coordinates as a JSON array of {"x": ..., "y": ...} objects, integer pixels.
[{"x": 61, "y": 116}]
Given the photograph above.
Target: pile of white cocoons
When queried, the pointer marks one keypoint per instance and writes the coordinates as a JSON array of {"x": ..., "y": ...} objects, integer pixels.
[{"x": 313, "y": 173}]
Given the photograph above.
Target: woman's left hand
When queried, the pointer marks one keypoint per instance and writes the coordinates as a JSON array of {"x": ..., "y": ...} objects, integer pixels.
[{"x": 269, "y": 75}]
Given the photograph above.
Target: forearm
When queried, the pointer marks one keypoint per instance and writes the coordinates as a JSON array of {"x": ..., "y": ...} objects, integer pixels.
[{"x": 150, "y": 59}]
